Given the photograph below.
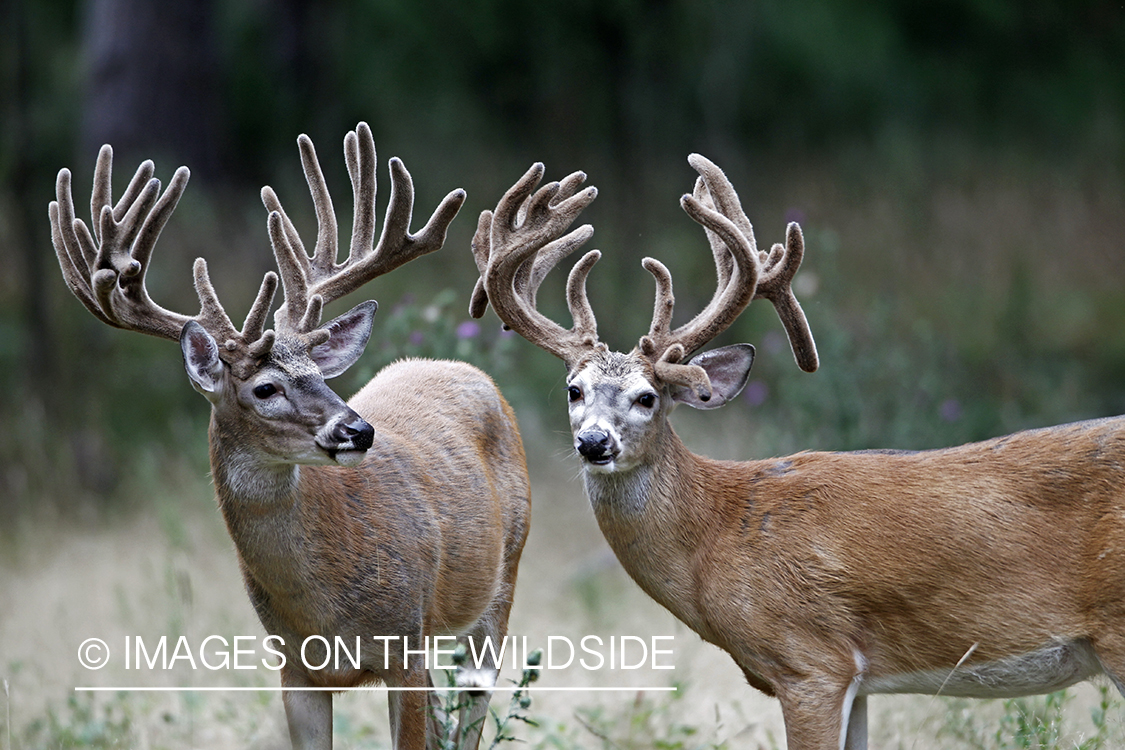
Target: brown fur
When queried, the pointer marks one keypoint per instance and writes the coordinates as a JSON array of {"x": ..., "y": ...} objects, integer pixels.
[
  {"x": 422, "y": 538},
  {"x": 913, "y": 560}
]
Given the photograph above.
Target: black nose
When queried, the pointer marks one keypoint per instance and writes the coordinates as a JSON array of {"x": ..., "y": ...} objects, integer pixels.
[
  {"x": 355, "y": 431},
  {"x": 593, "y": 444}
]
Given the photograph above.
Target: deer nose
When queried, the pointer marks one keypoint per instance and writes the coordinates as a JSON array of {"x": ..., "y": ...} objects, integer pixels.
[
  {"x": 593, "y": 444},
  {"x": 355, "y": 431}
]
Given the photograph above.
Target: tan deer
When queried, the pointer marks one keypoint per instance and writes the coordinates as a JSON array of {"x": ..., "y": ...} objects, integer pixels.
[
  {"x": 987, "y": 570},
  {"x": 400, "y": 513}
]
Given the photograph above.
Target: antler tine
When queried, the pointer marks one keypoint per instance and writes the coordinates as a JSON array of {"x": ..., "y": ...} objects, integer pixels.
[
  {"x": 736, "y": 262},
  {"x": 481, "y": 248},
  {"x": 74, "y": 264},
  {"x": 310, "y": 283},
  {"x": 585, "y": 325},
  {"x": 724, "y": 260},
  {"x": 292, "y": 266},
  {"x": 327, "y": 232},
  {"x": 106, "y": 268},
  {"x": 519, "y": 243},
  {"x": 102, "y": 193},
  {"x": 775, "y": 284},
  {"x": 359, "y": 155},
  {"x": 293, "y": 262},
  {"x": 744, "y": 274},
  {"x": 658, "y": 345},
  {"x": 253, "y": 328},
  {"x": 396, "y": 245},
  {"x": 532, "y": 272}
]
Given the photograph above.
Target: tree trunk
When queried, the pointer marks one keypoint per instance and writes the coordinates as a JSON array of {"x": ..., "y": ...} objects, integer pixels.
[{"x": 152, "y": 81}]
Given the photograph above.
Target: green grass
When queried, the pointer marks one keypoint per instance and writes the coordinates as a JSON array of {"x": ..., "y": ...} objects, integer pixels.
[
  {"x": 643, "y": 722},
  {"x": 1037, "y": 723},
  {"x": 83, "y": 722}
]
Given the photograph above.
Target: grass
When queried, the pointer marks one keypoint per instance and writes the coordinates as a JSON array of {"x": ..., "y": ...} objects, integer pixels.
[
  {"x": 1037, "y": 723},
  {"x": 642, "y": 722},
  {"x": 83, "y": 723}
]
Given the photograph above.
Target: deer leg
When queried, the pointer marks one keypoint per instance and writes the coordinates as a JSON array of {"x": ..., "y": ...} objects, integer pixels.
[
  {"x": 1111, "y": 655},
  {"x": 411, "y": 710},
  {"x": 474, "y": 703},
  {"x": 440, "y": 726},
  {"x": 493, "y": 624},
  {"x": 856, "y": 738},
  {"x": 308, "y": 713},
  {"x": 817, "y": 714}
]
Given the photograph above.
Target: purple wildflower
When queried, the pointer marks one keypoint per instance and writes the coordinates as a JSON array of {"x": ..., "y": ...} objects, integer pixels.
[
  {"x": 468, "y": 330},
  {"x": 950, "y": 410},
  {"x": 756, "y": 392}
]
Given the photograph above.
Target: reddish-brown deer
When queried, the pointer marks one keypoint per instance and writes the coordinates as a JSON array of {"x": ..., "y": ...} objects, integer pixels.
[
  {"x": 987, "y": 570},
  {"x": 402, "y": 512}
]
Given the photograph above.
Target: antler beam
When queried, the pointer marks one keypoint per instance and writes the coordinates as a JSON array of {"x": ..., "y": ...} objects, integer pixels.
[{"x": 518, "y": 244}]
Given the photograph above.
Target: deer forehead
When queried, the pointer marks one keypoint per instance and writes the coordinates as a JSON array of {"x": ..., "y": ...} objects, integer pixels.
[{"x": 289, "y": 358}]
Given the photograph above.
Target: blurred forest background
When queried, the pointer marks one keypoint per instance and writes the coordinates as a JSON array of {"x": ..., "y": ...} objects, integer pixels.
[{"x": 957, "y": 166}]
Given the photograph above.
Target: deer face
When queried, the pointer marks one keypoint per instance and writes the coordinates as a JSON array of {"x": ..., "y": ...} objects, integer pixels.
[
  {"x": 619, "y": 407},
  {"x": 280, "y": 406},
  {"x": 614, "y": 400}
]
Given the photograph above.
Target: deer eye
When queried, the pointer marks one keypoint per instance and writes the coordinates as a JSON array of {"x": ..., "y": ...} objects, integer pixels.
[
  {"x": 265, "y": 390},
  {"x": 647, "y": 400},
  {"x": 574, "y": 393}
]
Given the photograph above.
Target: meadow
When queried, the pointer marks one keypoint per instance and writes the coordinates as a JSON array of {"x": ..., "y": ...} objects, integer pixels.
[{"x": 171, "y": 570}]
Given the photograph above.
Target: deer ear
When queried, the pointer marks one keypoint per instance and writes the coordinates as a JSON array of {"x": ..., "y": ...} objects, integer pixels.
[
  {"x": 727, "y": 368},
  {"x": 201, "y": 359},
  {"x": 348, "y": 338}
]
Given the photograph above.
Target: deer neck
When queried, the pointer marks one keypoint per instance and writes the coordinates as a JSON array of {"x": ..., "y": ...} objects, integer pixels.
[
  {"x": 664, "y": 505},
  {"x": 260, "y": 503},
  {"x": 244, "y": 480}
]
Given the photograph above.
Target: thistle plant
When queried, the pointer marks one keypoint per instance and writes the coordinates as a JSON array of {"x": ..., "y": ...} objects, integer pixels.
[
  {"x": 454, "y": 704},
  {"x": 519, "y": 703}
]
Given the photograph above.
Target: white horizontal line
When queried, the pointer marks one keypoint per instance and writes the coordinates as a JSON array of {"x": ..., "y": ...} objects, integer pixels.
[{"x": 371, "y": 688}]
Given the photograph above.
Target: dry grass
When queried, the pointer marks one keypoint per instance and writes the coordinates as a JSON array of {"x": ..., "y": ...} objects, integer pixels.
[{"x": 159, "y": 573}]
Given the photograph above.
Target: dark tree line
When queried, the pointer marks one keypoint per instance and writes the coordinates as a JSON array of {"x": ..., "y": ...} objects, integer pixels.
[{"x": 469, "y": 93}]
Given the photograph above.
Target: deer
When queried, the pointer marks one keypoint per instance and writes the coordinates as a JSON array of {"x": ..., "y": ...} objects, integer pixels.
[
  {"x": 993, "y": 569},
  {"x": 400, "y": 513}
]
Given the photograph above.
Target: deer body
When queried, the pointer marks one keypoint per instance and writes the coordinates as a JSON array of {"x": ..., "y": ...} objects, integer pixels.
[
  {"x": 421, "y": 538},
  {"x": 315, "y": 541},
  {"x": 398, "y": 516},
  {"x": 989, "y": 570},
  {"x": 889, "y": 568},
  {"x": 993, "y": 569}
]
